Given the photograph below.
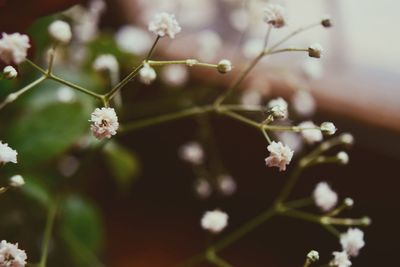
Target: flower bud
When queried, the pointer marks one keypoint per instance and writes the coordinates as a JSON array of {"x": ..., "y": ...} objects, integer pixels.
[
  {"x": 328, "y": 128},
  {"x": 10, "y": 73},
  {"x": 60, "y": 31},
  {"x": 313, "y": 256},
  {"x": 326, "y": 22},
  {"x": 224, "y": 66},
  {"x": 315, "y": 50},
  {"x": 343, "y": 157},
  {"x": 17, "y": 181}
]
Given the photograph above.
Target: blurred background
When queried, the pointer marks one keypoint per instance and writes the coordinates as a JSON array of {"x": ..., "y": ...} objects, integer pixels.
[{"x": 132, "y": 201}]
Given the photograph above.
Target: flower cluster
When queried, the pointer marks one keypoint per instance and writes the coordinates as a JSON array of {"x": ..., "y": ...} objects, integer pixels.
[{"x": 11, "y": 255}]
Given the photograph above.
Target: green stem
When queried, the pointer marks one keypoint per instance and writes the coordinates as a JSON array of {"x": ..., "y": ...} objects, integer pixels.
[
  {"x": 52, "y": 53},
  {"x": 47, "y": 233},
  {"x": 240, "y": 118},
  {"x": 287, "y": 189},
  {"x": 181, "y": 62},
  {"x": 215, "y": 259},
  {"x": 299, "y": 203},
  {"x": 288, "y": 50},
  {"x": 74, "y": 86},
  {"x": 151, "y": 51},
  {"x": 13, "y": 96},
  {"x": 44, "y": 72}
]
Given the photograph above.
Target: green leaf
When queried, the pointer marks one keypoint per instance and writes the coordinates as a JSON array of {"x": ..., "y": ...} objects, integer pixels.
[
  {"x": 123, "y": 164},
  {"x": 82, "y": 222},
  {"x": 41, "y": 135}
]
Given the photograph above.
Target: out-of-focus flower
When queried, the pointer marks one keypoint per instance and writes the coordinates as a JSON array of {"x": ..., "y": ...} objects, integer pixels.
[
  {"x": 251, "y": 98},
  {"x": 147, "y": 74},
  {"x": 175, "y": 75},
  {"x": 214, "y": 221},
  {"x": 275, "y": 15},
  {"x": 226, "y": 184},
  {"x": 278, "y": 108},
  {"x": 224, "y": 66},
  {"x": 343, "y": 157},
  {"x": 11, "y": 255},
  {"x": 192, "y": 152},
  {"x": 328, "y": 128},
  {"x": 313, "y": 256},
  {"x": 209, "y": 43},
  {"x": 315, "y": 50},
  {"x": 7, "y": 154},
  {"x": 312, "y": 68},
  {"x": 133, "y": 40},
  {"x": 303, "y": 103},
  {"x": 293, "y": 140},
  {"x": 352, "y": 241},
  {"x": 324, "y": 197},
  {"x": 106, "y": 62},
  {"x": 203, "y": 188},
  {"x": 14, "y": 47},
  {"x": 347, "y": 138},
  {"x": 252, "y": 47},
  {"x": 9, "y": 72},
  {"x": 60, "y": 31},
  {"x": 66, "y": 94},
  {"x": 164, "y": 24},
  {"x": 280, "y": 155},
  {"x": 104, "y": 123},
  {"x": 239, "y": 19},
  {"x": 17, "y": 181},
  {"x": 340, "y": 259},
  {"x": 311, "y": 135}
]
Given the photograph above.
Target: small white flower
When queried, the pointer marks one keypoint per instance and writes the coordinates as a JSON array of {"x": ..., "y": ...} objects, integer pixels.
[
  {"x": 11, "y": 255},
  {"x": 192, "y": 152},
  {"x": 341, "y": 259},
  {"x": 7, "y": 154},
  {"x": 9, "y": 72},
  {"x": 349, "y": 202},
  {"x": 275, "y": 15},
  {"x": 303, "y": 103},
  {"x": 104, "y": 123},
  {"x": 310, "y": 135},
  {"x": 164, "y": 24},
  {"x": 315, "y": 50},
  {"x": 313, "y": 256},
  {"x": 278, "y": 108},
  {"x": 202, "y": 188},
  {"x": 17, "y": 181},
  {"x": 224, "y": 66},
  {"x": 106, "y": 62},
  {"x": 226, "y": 184},
  {"x": 347, "y": 138},
  {"x": 352, "y": 241},
  {"x": 280, "y": 155},
  {"x": 324, "y": 197},
  {"x": 14, "y": 47},
  {"x": 214, "y": 221},
  {"x": 343, "y": 157},
  {"x": 66, "y": 94},
  {"x": 147, "y": 74},
  {"x": 133, "y": 40},
  {"x": 312, "y": 69},
  {"x": 60, "y": 31},
  {"x": 328, "y": 128},
  {"x": 175, "y": 75}
]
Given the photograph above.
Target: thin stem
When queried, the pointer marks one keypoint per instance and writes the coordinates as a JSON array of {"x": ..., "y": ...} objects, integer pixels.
[
  {"x": 74, "y": 86},
  {"x": 288, "y": 50},
  {"x": 44, "y": 72},
  {"x": 266, "y": 135},
  {"x": 52, "y": 54},
  {"x": 151, "y": 51},
  {"x": 47, "y": 233},
  {"x": 188, "y": 62},
  {"x": 287, "y": 189},
  {"x": 245, "y": 108},
  {"x": 215, "y": 259},
  {"x": 299, "y": 203},
  {"x": 166, "y": 118},
  {"x": 331, "y": 229},
  {"x": 13, "y": 96},
  {"x": 241, "y": 118},
  {"x": 266, "y": 39}
]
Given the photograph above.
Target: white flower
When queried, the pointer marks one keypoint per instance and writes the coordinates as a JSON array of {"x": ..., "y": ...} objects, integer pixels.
[
  {"x": 303, "y": 103},
  {"x": 14, "y": 48},
  {"x": 66, "y": 94},
  {"x": 175, "y": 75},
  {"x": 315, "y": 50},
  {"x": 133, "y": 40},
  {"x": 202, "y": 188},
  {"x": 311, "y": 135},
  {"x": 313, "y": 256},
  {"x": 352, "y": 241},
  {"x": 147, "y": 74},
  {"x": 106, "y": 62},
  {"x": 226, "y": 184},
  {"x": 328, "y": 128},
  {"x": 275, "y": 15},
  {"x": 278, "y": 108},
  {"x": 60, "y": 31},
  {"x": 343, "y": 157},
  {"x": 280, "y": 156},
  {"x": 7, "y": 154},
  {"x": 324, "y": 197},
  {"x": 347, "y": 138},
  {"x": 9, "y": 72},
  {"x": 11, "y": 255},
  {"x": 312, "y": 69},
  {"x": 17, "y": 181},
  {"x": 164, "y": 24},
  {"x": 224, "y": 66},
  {"x": 341, "y": 259},
  {"x": 192, "y": 152},
  {"x": 214, "y": 221},
  {"x": 104, "y": 123}
]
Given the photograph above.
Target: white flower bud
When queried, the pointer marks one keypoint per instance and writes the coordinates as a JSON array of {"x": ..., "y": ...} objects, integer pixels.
[
  {"x": 326, "y": 22},
  {"x": 347, "y": 139},
  {"x": 224, "y": 66},
  {"x": 10, "y": 72},
  {"x": 315, "y": 50},
  {"x": 278, "y": 108},
  {"x": 60, "y": 31},
  {"x": 328, "y": 128},
  {"x": 343, "y": 157},
  {"x": 17, "y": 181},
  {"x": 348, "y": 202},
  {"x": 214, "y": 221},
  {"x": 147, "y": 74},
  {"x": 313, "y": 256}
]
